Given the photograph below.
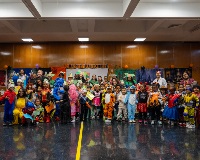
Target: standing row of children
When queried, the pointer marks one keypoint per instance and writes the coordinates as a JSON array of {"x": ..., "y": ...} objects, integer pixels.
[{"x": 67, "y": 101}]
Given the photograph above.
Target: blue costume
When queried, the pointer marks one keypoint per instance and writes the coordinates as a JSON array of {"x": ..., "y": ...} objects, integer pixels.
[
  {"x": 131, "y": 101},
  {"x": 58, "y": 93}
]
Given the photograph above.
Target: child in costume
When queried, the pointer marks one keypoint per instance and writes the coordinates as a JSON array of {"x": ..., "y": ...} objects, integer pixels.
[
  {"x": 96, "y": 102},
  {"x": 196, "y": 89},
  {"x": 181, "y": 92},
  {"x": 9, "y": 98},
  {"x": 58, "y": 93},
  {"x": 191, "y": 101},
  {"x": 19, "y": 85},
  {"x": 170, "y": 111},
  {"x": 131, "y": 102},
  {"x": 27, "y": 117},
  {"x": 109, "y": 104},
  {"x": 84, "y": 101},
  {"x": 65, "y": 107},
  {"x": 30, "y": 92},
  {"x": 117, "y": 94},
  {"x": 38, "y": 113},
  {"x": 153, "y": 104},
  {"x": 45, "y": 98},
  {"x": 73, "y": 95},
  {"x": 90, "y": 96},
  {"x": 122, "y": 110},
  {"x": 142, "y": 97},
  {"x": 19, "y": 105}
]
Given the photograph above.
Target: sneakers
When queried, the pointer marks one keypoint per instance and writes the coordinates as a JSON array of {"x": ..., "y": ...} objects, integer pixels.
[
  {"x": 132, "y": 121},
  {"x": 191, "y": 126},
  {"x": 152, "y": 122},
  {"x": 172, "y": 123},
  {"x": 159, "y": 122},
  {"x": 108, "y": 121},
  {"x": 187, "y": 125},
  {"x": 4, "y": 124}
]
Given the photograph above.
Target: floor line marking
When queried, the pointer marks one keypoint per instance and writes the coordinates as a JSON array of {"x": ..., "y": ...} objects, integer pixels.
[{"x": 78, "y": 151}]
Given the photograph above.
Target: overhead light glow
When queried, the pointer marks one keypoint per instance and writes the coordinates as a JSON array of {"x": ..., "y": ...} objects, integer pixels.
[
  {"x": 131, "y": 46},
  {"x": 5, "y": 53},
  {"x": 37, "y": 47},
  {"x": 164, "y": 52},
  {"x": 83, "y": 46},
  {"x": 83, "y": 39},
  {"x": 27, "y": 40},
  {"x": 139, "y": 39}
]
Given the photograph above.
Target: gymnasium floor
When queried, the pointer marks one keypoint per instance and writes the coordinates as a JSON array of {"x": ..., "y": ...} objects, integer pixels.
[{"x": 118, "y": 141}]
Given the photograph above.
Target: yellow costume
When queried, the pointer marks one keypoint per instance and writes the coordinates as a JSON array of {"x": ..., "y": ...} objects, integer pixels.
[
  {"x": 18, "y": 113},
  {"x": 191, "y": 101}
]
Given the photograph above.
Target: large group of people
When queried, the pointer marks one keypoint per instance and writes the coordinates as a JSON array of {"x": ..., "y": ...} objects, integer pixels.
[{"x": 39, "y": 99}]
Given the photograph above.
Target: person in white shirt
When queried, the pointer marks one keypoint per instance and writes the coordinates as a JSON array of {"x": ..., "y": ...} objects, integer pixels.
[{"x": 161, "y": 81}]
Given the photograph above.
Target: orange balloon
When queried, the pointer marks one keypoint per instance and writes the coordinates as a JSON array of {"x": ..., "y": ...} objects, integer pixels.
[
  {"x": 172, "y": 66},
  {"x": 5, "y": 66},
  {"x": 126, "y": 66}
]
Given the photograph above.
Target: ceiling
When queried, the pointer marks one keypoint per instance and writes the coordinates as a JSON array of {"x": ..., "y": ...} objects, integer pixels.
[{"x": 100, "y": 20}]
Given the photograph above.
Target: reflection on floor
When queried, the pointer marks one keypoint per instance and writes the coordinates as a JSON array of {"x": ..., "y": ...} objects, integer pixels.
[{"x": 118, "y": 141}]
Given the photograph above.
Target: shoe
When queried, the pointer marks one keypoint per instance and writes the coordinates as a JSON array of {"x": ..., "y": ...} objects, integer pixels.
[
  {"x": 159, "y": 122},
  {"x": 183, "y": 125},
  {"x": 123, "y": 119},
  {"x": 48, "y": 120},
  {"x": 172, "y": 123},
  {"x": 145, "y": 122},
  {"x": 140, "y": 121},
  {"x": 10, "y": 124},
  {"x": 187, "y": 125},
  {"x": 130, "y": 121},
  {"x": 73, "y": 121},
  {"x": 108, "y": 121},
  {"x": 4, "y": 124},
  {"x": 152, "y": 122},
  {"x": 93, "y": 117},
  {"x": 191, "y": 126},
  {"x": 57, "y": 118},
  {"x": 180, "y": 124},
  {"x": 133, "y": 121}
]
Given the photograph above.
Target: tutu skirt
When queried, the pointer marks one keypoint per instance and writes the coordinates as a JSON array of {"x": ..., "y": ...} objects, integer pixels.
[
  {"x": 142, "y": 107},
  {"x": 171, "y": 113}
]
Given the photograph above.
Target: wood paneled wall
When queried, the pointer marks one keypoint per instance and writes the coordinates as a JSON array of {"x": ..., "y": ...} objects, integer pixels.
[{"x": 134, "y": 55}]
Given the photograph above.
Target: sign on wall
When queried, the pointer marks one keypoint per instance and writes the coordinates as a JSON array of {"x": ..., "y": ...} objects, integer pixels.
[{"x": 88, "y": 72}]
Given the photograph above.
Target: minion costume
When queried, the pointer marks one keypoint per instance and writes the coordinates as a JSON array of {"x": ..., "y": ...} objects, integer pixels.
[
  {"x": 17, "y": 112},
  {"x": 190, "y": 101},
  {"x": 131, "y": 101}
]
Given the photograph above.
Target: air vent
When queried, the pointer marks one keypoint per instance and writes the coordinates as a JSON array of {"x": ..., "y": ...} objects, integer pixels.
[
  {"x": 174, "y": 26},
  {"x": 195, "y": 28}
]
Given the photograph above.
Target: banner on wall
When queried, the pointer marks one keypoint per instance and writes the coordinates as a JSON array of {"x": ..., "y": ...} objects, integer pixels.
[
  {"x": 121, "y": 73},
  {"x": 88, "y": 72},
  {"x": 175, "y": 74},
  {"x": 2, "y": 77}
]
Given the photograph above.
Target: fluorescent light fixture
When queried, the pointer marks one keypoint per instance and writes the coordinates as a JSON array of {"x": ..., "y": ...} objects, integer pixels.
[
  {"x": 83, "y": 39},
  {"x": 27, "y": 40},
  {"x": 37, "y": 47},
  {"x": 139, "y": 39},
  {"x": 5, "y": 53}
]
